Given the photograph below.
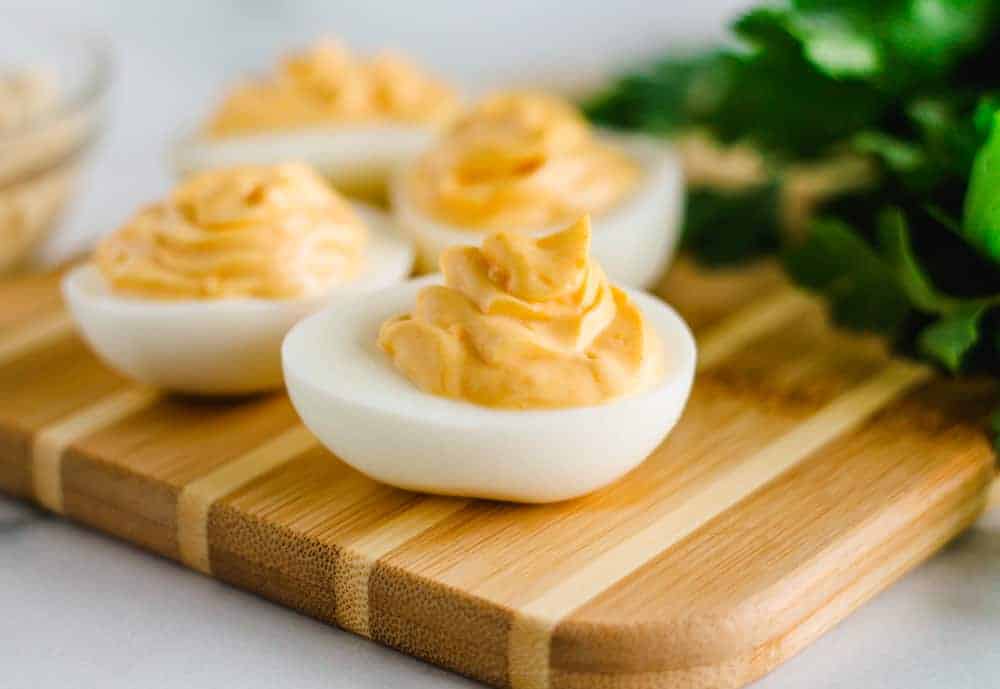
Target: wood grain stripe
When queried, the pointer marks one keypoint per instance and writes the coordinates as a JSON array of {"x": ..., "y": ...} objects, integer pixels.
[
  {"x": 196, "y": 498},
  {"x": 351, "y": 581},
  {"x": 50, "y": 443},
  {"x": 736, "y": 331},
  {"x": 23, "y": 339},
  {"x": 531, "y": 631}
]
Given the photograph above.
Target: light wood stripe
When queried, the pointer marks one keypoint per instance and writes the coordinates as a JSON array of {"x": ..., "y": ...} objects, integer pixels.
[
  {"x": 531, "y": 631},
  {"x": 355, "y": 567},
  {"x": 734, "y": 332},
  {"x": 21, "y": 340},
  {"x": 50, "y": 443},
  {"x": 196, "y": 499}
]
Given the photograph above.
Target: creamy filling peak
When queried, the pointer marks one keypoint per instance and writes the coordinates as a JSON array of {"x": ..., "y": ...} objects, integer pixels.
[
  {"x": 273, "y": 232},
  {"x": 524, "y": 323},
  {"x": 519, "y": 161},
  {"x": 327, "y": 84}
]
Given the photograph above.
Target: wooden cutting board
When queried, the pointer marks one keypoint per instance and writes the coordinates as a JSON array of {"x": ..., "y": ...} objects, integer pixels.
[{"x": 808, "y": 473}]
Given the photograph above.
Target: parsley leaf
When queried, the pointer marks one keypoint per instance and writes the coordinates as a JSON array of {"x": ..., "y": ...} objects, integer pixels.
[
  {"x": 724, "y": 227},
  {"x": 952, "y": 337},
  {"x": 908, "y": 86},
  {"x": 982, "y": 204},
  {"x": 860, "y": 286}
]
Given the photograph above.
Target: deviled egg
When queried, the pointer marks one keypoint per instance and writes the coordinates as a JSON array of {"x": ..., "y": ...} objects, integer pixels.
[
  {"x": 521, "y": 373},
  {"x": 352, "y": 118},
  {"x": 529, "y": 162},
  {"x": 195, "y": 293}
]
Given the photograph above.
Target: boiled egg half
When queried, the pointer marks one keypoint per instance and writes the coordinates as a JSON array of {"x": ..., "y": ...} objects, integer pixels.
[
  {"x": 353, "y": 118},
  {"x": 529, "y": 162},
  {"x": 195, "y": 293},
  {"x": 520, "y": 373}
]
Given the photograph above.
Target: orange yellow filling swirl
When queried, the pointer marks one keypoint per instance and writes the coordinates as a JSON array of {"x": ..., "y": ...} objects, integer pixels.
[
  {"x": 524, "y": 323},
  {"x": 273, "y": 232},
  {"x": 520, "y": 161},
  {"x": 326, "y": 84}
]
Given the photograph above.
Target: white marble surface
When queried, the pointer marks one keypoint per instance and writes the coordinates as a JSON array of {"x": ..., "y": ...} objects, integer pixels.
[{"x": 81, "y": 610}]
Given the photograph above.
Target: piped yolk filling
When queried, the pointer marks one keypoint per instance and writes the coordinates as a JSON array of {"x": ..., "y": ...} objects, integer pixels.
[
  {"x": 519, "y": 161},
  {"x": 326, "y": 84},
  {"x": 525, "y": 323},
  {"x": 273, "y": 232}
]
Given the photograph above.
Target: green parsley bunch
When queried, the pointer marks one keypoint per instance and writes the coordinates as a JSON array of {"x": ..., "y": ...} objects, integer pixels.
[{"x": 913, "y": 87}]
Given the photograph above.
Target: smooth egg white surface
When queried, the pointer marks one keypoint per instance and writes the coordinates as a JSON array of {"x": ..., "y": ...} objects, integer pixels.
[
  {"x": 634, "y": 241},
  {"x": 350, "y": 395},
  {"x": 219, "y": 346},
  {"x": 357, "y": 159}
]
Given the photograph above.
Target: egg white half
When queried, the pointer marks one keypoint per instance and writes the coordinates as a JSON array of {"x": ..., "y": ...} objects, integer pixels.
[
  {"x": 219, "y": 346},
  {"x": 356, "y": 159},
  {"x": 350, "y": 395},
  {"x": 634, "y": 241}
]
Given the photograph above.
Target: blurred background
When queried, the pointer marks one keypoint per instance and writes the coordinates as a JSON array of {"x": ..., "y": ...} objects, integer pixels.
[
  {"x": 71, "y": 594},
  {"x": 172, "y": 60}
]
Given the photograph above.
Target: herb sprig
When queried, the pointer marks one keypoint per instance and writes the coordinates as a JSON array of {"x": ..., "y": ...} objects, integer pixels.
[{"x": 908, "y": 86}]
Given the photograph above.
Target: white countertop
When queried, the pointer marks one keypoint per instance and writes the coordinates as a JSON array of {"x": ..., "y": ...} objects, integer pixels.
[
  {"x": 85, "y": 611},
  {"x": 78, "y": 609}
]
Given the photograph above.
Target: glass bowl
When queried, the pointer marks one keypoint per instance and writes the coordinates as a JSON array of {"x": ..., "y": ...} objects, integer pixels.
[{"x": 65, "y": 77}]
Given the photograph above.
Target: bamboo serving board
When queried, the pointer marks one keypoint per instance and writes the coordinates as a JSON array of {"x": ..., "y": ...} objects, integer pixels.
[{"x": 808, "y": 473}]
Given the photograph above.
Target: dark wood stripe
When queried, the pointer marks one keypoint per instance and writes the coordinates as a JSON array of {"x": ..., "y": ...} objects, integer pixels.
[{"x": 139, "y": 465}]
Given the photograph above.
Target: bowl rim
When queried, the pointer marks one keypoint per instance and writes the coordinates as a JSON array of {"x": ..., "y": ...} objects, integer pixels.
[{"x": 99, "y": 73}]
